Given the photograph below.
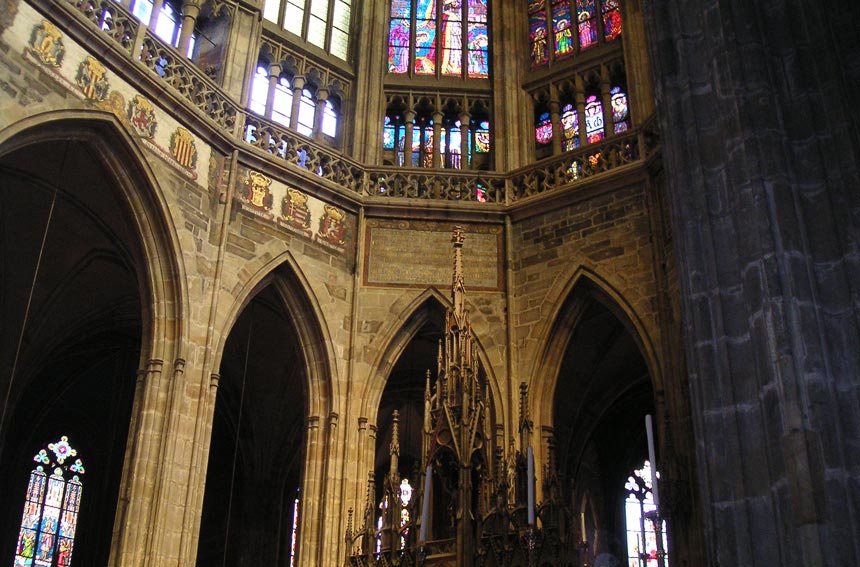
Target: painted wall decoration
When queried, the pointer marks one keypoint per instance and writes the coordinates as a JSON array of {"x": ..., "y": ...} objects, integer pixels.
[
  {"x": 141, "y": 116},
  {"x": 92, "y": 79},
  {"x": 183, "y": 149},
  {"x": 257, "y": 193},
  {"x": 295, "y": 211},
  {"x": 46, "y": 43},
  {"x": 332, "y": 229}
]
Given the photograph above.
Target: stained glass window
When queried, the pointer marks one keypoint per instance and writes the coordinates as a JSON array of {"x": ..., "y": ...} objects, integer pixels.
[
  {"x": 562, "y": 29},
  {"x": 611, "y": 19},
  {"x": 569, "y": 127},
  {"x": 324, "y": 23},
  {"x": 482, "y": 137},
  {"x": 574, "y": 25},
  {"x": 543, "y": 129},
  {"x": 641, "y": 536},
  {"x": 620, "y": 110},
  {"x": 405, "y": 497},
  {"x": 448, "y": 37},
  {"x": 51, "y": 508},
  {"x": 593, "y": 120}
]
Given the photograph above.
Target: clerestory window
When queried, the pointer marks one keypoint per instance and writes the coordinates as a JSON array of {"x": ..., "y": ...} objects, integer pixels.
[
  {"x": 439, "y": 38},
  {"x": 562, "y": 28},
  {"x": 324, "y": 23}
]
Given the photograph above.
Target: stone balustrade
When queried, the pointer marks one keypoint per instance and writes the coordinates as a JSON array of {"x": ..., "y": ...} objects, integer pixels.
[{"x": 564, "y": 171}]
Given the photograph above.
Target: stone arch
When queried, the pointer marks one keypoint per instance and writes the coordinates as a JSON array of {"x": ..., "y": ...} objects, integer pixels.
[
  {"x": 398, "y": 335},
  {"x": 567, "y": 301},
  {"x": 165, "y": 312},
  {"x": 277, "y": 283},
  {"x": 284, "y": 273},
  {"x": 101, "y": 176}
]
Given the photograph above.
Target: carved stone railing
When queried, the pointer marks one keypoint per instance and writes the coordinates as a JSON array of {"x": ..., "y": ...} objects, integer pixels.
[
  {"x": 582, "y": 163},
  {"x": 304, "y": 153},
  {"x": 444, "y": 185},
  {"x": 189, "y": 81},
  {"x": 113, "y": 19},
  {"x": 180, "y": 75}
]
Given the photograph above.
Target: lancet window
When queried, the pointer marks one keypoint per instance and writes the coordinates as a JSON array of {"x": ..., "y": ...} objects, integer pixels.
[
  {"x": 425, "y": 137},
  {"x": 561, "y": 28},
  {"x": 583, "y": 110},
  {"x": 443, "y": 38},
  {"x": 293, "y": 103},
  {"x": 642, "y": 546},
  {"x": 323, "y": 23},
  {"x": 51, "y": 508}
]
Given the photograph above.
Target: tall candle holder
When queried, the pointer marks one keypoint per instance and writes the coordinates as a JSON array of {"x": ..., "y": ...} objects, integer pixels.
[{"x": 657, "y": 521}]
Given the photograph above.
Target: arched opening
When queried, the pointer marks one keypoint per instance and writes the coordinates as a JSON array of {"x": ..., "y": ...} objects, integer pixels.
[
  {"x": 256, "y": 456},
  {"x": 76, "y": 310},
  {"x": 602, "y": 395}
]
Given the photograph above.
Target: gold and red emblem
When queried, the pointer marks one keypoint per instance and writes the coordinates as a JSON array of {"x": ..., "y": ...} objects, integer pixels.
[
  {"x": 183, "y": 148},
  {"x": 46, "y": 43},
  {"x": 332, "y": 227},
  {"x": 258, "y": 193},
  {"x": 141, "y": 116},
  {"x": 92, "y": 79}
]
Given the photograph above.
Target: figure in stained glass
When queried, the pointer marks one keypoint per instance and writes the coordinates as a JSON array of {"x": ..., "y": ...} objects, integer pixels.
[
  {"x": 593, "y": 120},
  {"x": 611, "y": 19},
  {"x": 570, "y": 127},
  {"x": 620, "y": 110},
  {"x": 543, "y": 129},
  {"x": 398, "y": 46},
  {"x": 563, "y": 33},
  {"x": 539, "y": 39},
  {"x": 587, "y": 18},
  {"x": 452, "y": 37}
]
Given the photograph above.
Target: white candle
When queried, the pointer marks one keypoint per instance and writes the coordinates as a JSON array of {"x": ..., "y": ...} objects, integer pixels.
[
  {"x": 649, "y": 428},
  {"x": 425, "y": 505},
  {"x": 530, "y": 478},
  {"x": 582, "y": 526}
]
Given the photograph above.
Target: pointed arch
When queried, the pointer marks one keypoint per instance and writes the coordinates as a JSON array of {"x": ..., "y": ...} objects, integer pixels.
[
  {"x": 293, "y": 287},
  {"x": 403, "y": 328},
  {"x": 567, "y": 302},
  {"x": 165, "y": 305}
]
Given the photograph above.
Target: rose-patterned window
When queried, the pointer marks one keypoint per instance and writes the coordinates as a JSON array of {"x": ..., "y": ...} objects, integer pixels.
[{"x": 51, "y": 507}]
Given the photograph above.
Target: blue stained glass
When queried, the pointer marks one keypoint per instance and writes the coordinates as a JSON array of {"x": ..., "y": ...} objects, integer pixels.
[
  {"x": 426, "y": 10},
  {"x": 620, "y": 109},
  {"x": 482, "y": 138},
  {"x": 593, "y": 120},
  {"x": 569, "y": 127},
  {"x": 425, "y": 46},
  {"x": 388, "y": 134},
  {"x": 543, "y": 129},
  {"x": 478, "y": 41},
  {"x": 398, "y": 46},
  {"x": 401, "y": 8}
]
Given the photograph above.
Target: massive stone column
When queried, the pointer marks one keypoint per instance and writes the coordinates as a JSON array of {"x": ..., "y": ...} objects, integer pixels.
[{"x": 760, "y": 135}]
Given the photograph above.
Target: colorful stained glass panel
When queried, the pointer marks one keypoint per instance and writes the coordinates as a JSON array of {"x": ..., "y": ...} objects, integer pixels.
[
  {"x": 593, "y": 120},
  {"x": 543, "y": 129},
  {"x": 620, "y": 110},
  {"x": 425, "y": 47},
  {"x": 537, "y": 31},
  {"x": 398, "y": 45},
  {"x": 478, "y": 56},
  {"x": 563, "y": 31},
  {"x": 569, "y": 127},
  {"x": 611, "y": 19},
  {"x": 586, "y": 17}
]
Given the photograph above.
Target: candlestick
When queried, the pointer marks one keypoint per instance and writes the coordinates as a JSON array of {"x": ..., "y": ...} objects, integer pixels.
[
  {"x": 530, "y": 478},
  {"x": 649, "y": 429},
  {"x": 425, "y": 505}
]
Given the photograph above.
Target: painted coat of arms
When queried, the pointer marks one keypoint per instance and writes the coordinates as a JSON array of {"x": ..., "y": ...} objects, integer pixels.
[
  {"x": 92, "y": 80},
  {"x": 141, "y": 116},
  {"x": 183, "y": 149},
  {"x": 46, "y": 43},
  {"x": 258, "y": 193},
  {"x": 294, "y": 208},
  {"x": 332, "y": 229}
]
